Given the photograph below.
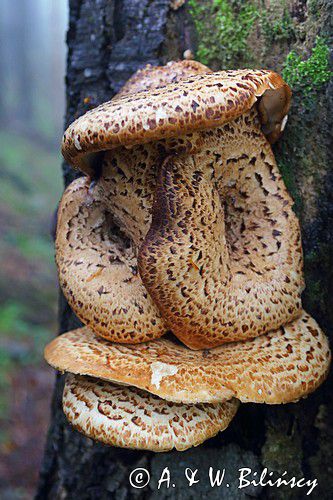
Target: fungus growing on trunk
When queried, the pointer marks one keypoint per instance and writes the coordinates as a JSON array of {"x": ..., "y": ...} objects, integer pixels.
[
  {"x": 192, "y": 104},
  {"x": 98, "y": 269},
  {"x": 182, "y": 224}
]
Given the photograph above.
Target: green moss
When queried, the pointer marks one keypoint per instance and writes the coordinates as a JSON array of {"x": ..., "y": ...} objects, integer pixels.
[
  {"x": 310, "y": 74},
  {"x": 223, "y": 28},
  {"x": 314, "y": 7}
]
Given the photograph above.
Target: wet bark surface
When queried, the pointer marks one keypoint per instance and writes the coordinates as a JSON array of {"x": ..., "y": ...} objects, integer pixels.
[{"x": 107, "y": 41}]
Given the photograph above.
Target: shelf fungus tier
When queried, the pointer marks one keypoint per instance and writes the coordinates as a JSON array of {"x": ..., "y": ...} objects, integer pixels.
[
  {"x": 222, "y": 258},
  {"x": 280, "y": 367},
  {"x": 189, "y": 105},
  {"x": 184, "y": 222},
  {"x": 132, "y": 418}
]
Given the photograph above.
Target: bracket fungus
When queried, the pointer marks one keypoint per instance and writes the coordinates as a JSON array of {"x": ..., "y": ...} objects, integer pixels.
[
  {"x": 280, "y": 367},
  {"x": 182, "y": 226},
  {"x": 130, "y": 417}
]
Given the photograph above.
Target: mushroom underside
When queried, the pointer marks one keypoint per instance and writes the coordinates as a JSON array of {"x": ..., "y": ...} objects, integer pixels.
[
  {"x": 132, "y": 418},
  {"x": 279, "y": 367}
]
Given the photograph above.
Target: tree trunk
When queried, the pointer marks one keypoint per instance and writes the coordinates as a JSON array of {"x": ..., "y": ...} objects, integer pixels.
[{"x": 107, "y": 41}]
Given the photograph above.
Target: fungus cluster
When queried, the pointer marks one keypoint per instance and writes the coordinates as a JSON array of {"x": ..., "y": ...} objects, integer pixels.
[{"x": 180, "y": 252}]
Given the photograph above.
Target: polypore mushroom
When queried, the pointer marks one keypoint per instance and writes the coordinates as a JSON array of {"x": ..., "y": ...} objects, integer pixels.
[
  {"x": 278, "y": 367},
  {"x": 222, "y": 258},
  {"x": 193, "y": 104},
  {"x": 219, "y": 250},
  {"x": 132, "y": 418},
  {"x": 183, "y": 187}
]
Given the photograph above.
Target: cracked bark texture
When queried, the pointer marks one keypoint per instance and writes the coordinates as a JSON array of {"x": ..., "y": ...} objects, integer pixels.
[{"x": 108, "y": 40}]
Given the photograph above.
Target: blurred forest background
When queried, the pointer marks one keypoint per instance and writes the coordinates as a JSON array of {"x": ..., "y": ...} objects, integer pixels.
[{"x": 32, "y": 69}]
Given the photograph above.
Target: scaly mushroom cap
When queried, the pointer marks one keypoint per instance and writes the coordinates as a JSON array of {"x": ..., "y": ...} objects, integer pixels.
[
  {"x": 98, "y": 270},
  {"x": 132, "y": 418},
  {"x": 279, "y": 367},
  {"x": 222, "y": 259},
  {"x": 154, "y": 77},
  {"x": 197, "y": 103}
]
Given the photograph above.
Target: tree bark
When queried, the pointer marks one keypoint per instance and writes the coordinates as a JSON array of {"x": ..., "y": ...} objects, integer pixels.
[{"x": 108, "y": 40}]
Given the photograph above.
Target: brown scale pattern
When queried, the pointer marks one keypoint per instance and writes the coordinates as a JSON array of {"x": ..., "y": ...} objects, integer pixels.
[
  {"x": 128, "y": 178},
  {"x": 153, "y": 77},
  {"x": 98, "y": 270},
  {"x": 279, "y": 367},
  {"x": 196, "y": 103},
  {"x": 125, "y": 188},
  {"x": 260, "y": 245},
  {"x": 132, "y": 418},
  {"x": 187, "y": 173},
  {"x": 223, "y": 258},
  {"x": 97, "y": 273}
]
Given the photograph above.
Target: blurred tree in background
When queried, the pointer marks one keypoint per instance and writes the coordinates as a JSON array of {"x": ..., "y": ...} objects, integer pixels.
[{"x": 32, "y": 102}]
